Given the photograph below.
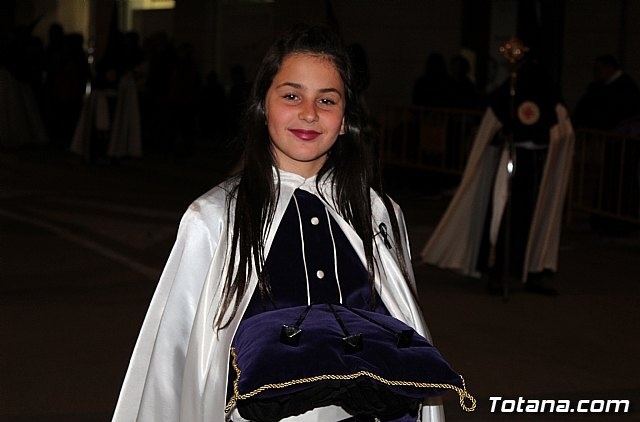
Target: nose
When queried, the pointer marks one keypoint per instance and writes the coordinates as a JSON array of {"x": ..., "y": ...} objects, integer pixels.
[{"x": 308, "y": 112}]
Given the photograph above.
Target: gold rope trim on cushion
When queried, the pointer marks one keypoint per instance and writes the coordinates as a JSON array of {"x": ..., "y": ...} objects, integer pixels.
[{"x": 462, "y": 392}]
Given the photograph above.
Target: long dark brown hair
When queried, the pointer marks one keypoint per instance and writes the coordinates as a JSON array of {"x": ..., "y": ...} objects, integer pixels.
[{"x": 349, "y": 164}]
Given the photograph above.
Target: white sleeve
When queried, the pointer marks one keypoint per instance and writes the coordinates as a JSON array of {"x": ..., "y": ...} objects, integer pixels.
[{"x": 433, "y": 411}]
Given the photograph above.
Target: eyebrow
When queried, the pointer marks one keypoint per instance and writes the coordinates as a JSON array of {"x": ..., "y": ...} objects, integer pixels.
[{"x": 299, "y": 86}]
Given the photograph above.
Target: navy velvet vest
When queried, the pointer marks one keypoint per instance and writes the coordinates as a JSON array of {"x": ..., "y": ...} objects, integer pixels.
[{"x": 285, "y": 264}]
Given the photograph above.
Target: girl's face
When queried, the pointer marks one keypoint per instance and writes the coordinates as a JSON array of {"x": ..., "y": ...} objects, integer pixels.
[{"x": 305, "y": 112}]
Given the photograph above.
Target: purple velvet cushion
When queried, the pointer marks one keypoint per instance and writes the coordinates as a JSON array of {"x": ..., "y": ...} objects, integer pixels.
[{"x": 270, "y": 369}]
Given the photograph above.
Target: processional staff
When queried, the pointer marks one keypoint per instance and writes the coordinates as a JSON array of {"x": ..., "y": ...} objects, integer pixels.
[{"x": 513, "y": 50}]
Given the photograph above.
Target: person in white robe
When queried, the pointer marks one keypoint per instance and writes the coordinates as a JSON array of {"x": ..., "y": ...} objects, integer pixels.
[
  {"x": 472, "y": 230},
  {"x": 304, "y": 124},
  {"x": 20, "y": 120},
  {"x": 119, "y": 125}
]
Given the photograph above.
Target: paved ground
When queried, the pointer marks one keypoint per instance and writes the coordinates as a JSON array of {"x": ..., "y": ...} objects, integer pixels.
[{"x": 81, "y": 248}]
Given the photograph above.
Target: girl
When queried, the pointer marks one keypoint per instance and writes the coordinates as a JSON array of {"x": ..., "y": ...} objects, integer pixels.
[{"x": 305, "y": 220}]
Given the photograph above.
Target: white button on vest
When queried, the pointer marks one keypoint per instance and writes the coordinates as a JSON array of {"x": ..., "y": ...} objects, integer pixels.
[
  {"x": 315, "y": 221},
  {"x": 320, "y": 274}
]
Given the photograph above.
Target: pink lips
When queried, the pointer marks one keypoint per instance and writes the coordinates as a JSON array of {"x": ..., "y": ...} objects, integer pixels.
[{"x": 305, "y": 135}]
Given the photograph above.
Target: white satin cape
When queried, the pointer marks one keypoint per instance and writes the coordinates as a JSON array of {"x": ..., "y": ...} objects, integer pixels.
[
  {"x": 179, "y": 368},
  {"x": 455, "y": 242}
]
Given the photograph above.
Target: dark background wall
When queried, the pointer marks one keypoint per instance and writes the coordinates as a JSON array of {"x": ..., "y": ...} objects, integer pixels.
[{"x": 397, "y": 35}]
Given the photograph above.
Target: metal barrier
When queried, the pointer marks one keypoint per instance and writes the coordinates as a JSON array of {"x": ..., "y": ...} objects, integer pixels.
[
  {"x": 436, "y": 139},
  {"x": 605, "y": 176}
]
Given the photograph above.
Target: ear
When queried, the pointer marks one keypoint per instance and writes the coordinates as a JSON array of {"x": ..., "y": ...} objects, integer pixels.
[{"x": 342, "y": 132}]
